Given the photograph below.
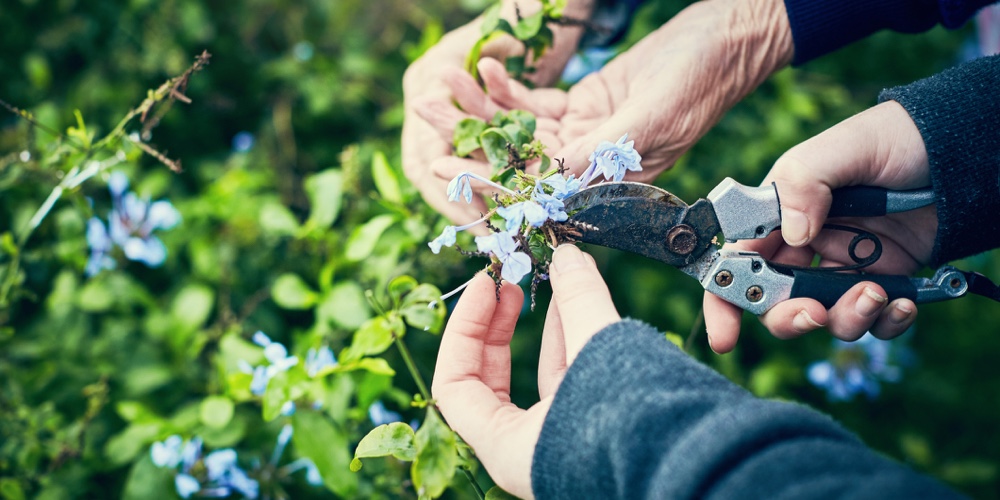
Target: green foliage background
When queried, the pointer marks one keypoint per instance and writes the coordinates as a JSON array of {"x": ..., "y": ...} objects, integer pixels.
[{"x": 287, "y": 237}]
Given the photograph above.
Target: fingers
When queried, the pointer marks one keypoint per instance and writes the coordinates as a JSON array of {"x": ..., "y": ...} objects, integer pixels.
[
  {"x": 441, "y": 114},
  {"x": 722, "y": 322},
  {"x": 472, "y": 374},
  {"x": 878, "y": 147},
  {"x": 582, "y": 297},
  {"x": 469, "y": 95},
  {"x": 509, "y": 93},
  {"x": 552, "y": 358}
]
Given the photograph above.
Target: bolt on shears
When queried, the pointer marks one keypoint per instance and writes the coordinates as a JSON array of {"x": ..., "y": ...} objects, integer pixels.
[{"x": 651, "y": 222}]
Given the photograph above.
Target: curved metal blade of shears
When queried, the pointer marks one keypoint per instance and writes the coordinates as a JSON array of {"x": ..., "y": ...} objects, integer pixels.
[{"x": 646, "y": 220}]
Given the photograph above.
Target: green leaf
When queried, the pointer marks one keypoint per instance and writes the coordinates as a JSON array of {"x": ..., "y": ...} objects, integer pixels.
[
  {"x": 394, "y": 439},
  {"x": 275, "y": 396},
  {"x": 473, "y": 58},
  {"x": 377, "y": 366},
  {"x": 325, "y": 191},
  {"x": 192, "y": 306},
  {"x": 291, "y": 292},
  {"x": 523, "y": 118},
  {"x": 400, "y": 286},
  {"x": 466, "y": 135},
  {"x": 495, "y": 141},
  {"x": 321, "y": 441},
  {"x": 216, "y": 411},
  {"x": 375, "y": 336},
  {"x": 345, "y": 306},
  {"x": 277, "y": 220},
  {"x": 364, "y": 238},
  {"x": 437, "y": 456},
  {"x": 497, "y": 493},
  {"x": 528, "y": 26},
  {"x": 675, "y": 339},
  {"x": 386, "y": 179},
  {"x": 126, "y": 445},
  {"x": 423, "y": 309},
  {"x": 95, "y": 296},
  {"x": 514, "y": 65},
  {"x": 146, "y": 480},
  {"x": 491, "y": 17},
  {"x": 10, "y": 489}
]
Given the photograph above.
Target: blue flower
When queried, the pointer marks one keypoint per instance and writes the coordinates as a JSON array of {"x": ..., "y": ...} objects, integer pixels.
[
  {"x": 313, "y": 476},
  {"x": 130, "y": 226},
  {"x": 562, "y": 186},
  {"x": 855, "y": 368},
  {"x": 612, "y": 161},
  {"x": 447, "y": 239},
  {"x": 278, "y": 359},
  {"x": 380, "y": 415},
  {"x": 460, "y": 187},
  {"x": 517, "y": 213},
  {"x": 243, "y": 142},
  {"x": 502, "y": 246},
  {"x": 219, "y": 462},
  {"x": 225, "y": 475},
  {"x": 186, "y": 485},
  {"x": 554, "y": 207},
  {"x": 168, "y": 452},
  {"x": 318, "y": 360}
]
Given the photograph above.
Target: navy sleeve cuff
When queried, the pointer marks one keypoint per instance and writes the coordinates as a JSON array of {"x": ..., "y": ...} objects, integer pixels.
[{"x": 956, "y": 113}]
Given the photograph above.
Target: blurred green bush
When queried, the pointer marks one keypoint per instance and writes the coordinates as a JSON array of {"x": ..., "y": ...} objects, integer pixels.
[{"x": 294, "y": 206}]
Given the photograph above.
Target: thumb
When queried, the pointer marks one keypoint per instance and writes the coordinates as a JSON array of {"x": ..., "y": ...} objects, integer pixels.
[
  {"x": 581, "y": 296},
  {"x": 880, "y": 147}
]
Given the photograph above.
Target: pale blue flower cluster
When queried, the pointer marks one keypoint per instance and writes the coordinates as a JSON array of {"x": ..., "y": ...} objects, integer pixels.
[
  {"x": 612, "y": 161},
  {"x": 313, "y": 476},
  {"x": 131, "y": 223},
  {"x": 278, "y": 361},
  {"x": 223, "y": 476},
  {"x": 855, "y": 368},
  {"x": 380, "y": 415},
  {"x": 515, "y": 264}
]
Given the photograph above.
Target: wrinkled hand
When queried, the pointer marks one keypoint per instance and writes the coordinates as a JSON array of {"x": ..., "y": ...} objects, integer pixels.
[
  {"x": 424, "y": 85},
  {"x": 472, "y": 376},
  {"x": 665, "y": 92},
  {"x": 878, "y": 147}
]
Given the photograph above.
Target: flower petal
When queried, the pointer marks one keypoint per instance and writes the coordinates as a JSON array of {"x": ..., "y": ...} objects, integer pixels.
[{"x": 515, "y": 266}]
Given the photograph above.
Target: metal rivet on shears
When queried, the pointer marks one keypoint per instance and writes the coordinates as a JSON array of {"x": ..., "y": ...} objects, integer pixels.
[
  {"x": 724, "y": 278},
  {"x": 682, "y": 239},
  {"x": 755, "y": 293}
]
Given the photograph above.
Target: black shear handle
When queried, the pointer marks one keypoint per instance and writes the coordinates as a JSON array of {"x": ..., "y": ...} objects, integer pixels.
[
  {"x": 868, "y": 201},
  {"x": 828, "y": 287}
]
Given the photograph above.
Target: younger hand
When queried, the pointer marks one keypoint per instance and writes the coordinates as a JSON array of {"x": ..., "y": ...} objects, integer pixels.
[
  {"x": 472, "y": 377},
  {"x": 878, "y": 147}
]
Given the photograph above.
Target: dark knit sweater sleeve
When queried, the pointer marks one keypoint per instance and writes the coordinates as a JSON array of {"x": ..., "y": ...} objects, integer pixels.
[
  {"x": 822, "y": 26},
  {"x": 958, "y": 114},
  {"x": 637, "y": 418}
]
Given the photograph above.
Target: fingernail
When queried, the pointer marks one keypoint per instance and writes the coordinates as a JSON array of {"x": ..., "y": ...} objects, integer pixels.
[
  {"x": 869, "y": 302},
  {"x": 803, "y": 322},
  {"x": 899, "y": 313},
  {"x": 794, "y": 227},
  {"x": 567, "y": 257}
]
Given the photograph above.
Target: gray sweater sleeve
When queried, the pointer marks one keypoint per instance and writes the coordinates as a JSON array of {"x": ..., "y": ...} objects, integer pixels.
[
  {"x": 637, "y": 418},
  {"x": 958, "y": 114}
]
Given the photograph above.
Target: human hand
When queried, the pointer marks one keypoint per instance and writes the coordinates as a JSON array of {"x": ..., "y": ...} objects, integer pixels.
[
  {"x": 423, "y": 85},
  {"x": 472, "y": 377},
  {"x": 878, "y": 147},
  {"x": 666, "y": 91}
]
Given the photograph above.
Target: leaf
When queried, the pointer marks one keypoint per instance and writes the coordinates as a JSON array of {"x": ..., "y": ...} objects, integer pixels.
[
  {"x": 466, "y": 136},
  {"x": 375, "y": 336},
  {"x": 523, "y": 118},
  {"x": 216, "y": 411},
  {"x": 364, "y": 238},
  {"x": 491, "y": 18},
  {"x": 277, "y": 220},
  {"x": 394, "y": 439},
  {"x": 473, "y": 58},
  {"x": 495, "y": 141},
  {"x": 318, "y": 439},
  {"x": 95, "y": 296},
  {"x": 275, "y": 396},
  {"x": 325, "y": 191},
  {"x": 400, "y": 286},
  {"x": 423, "y": 309},
  {"x": 291, "y": 292},
  {"x": 497, "y": 493},
  {"x": 146, "y": 480},
  {"x": 123, "y": 447},
  {"x": 514, "y": 65},
  {"x": 10, "y": 489},
  {"x": 528, "y": 26},
  {"x": 192, "y": 306},
  {"x": 386, "y": 179},
  {"x": 345, "y": 306},
  {"x": 437, "y": 456}
]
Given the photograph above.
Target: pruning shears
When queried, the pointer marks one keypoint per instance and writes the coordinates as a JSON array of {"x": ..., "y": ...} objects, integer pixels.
[{"x": 651, "y": 222}]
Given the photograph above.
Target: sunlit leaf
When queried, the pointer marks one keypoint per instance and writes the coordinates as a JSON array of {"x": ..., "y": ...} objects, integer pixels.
[
  {"x": 363, "y": 240},
  {"x": 394, "y": 439},
  {"x": 325, "y": 191},
  {"x": 466, "y": 136},
  {"x": 437, "y": 456},
  {"x": 217, "y": 411},
  {"x": 386, "y": 179},
  {"x": 325, "y": 444},
  {"x": 528, "y": 26},
  {"x": 291, "y": 292}
]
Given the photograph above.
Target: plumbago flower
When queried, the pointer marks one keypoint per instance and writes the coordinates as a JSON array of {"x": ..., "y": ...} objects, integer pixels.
[
  {"x": 856, "y": 368},
  {"x": 531, "y": 207},
  {"x": 131, "y": 223},
  {"x": 278, "y": 361},
  {"x": 218, "y": 474}
]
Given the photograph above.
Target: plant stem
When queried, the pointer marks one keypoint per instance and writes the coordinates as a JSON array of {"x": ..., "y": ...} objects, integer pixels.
[
  {"x": 412, "y": 367},
  {"x": 475, "y": 484}
]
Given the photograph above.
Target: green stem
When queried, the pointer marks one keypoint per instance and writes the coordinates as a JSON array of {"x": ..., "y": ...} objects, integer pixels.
[
  {"x": 475, "y": 484},
  {"x": 412, "y": 367}
]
